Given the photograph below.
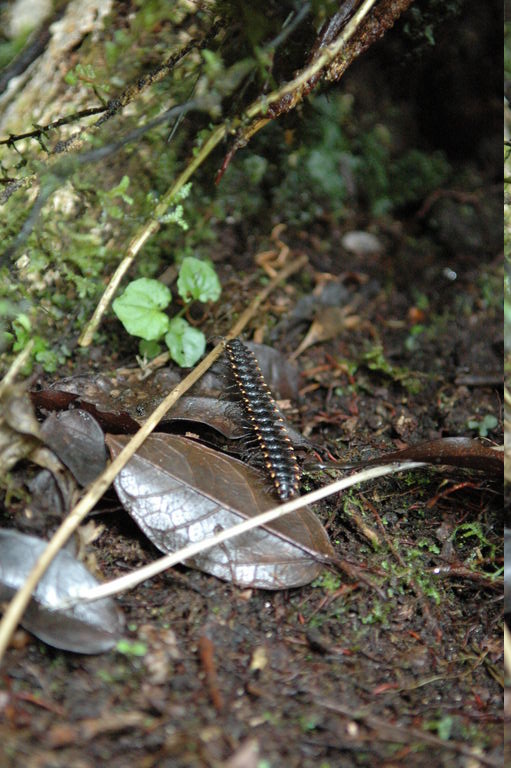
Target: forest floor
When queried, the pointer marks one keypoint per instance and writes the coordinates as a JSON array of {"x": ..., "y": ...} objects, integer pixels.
[
  {"x": 337, "y": 672},
  {"x": 400, "y": 663}
]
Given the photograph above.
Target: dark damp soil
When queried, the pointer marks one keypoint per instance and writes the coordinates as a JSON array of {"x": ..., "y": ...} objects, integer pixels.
[{"x": 337, "y": 673}]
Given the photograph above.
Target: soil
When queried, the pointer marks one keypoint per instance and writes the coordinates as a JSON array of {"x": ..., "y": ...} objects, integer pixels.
[{"x": 338, "y": 672}]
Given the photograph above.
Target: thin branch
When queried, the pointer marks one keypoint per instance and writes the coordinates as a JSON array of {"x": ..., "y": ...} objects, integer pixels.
[
  {"x": 42, "y": 130},
  {"x": 149, "y": 228},
  {"x": 67, "y": 165},
  {"x": 17, "y": 364},
  {"x": 134, "y": 90},
  {"x": 131, "y": 580},
  {"x": 112, "y": 108},
  {"x": 21, "y": 599}
]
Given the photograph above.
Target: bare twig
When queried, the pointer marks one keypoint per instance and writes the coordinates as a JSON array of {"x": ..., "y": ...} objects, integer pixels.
[
  {"x": 42, "y": 130},
  {"x": 65, "y": 167},
  {"x": 16, "y": 367},
  {"x": 20, "y": 601}
]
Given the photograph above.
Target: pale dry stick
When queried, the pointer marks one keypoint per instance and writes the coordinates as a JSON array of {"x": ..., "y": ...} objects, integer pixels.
[
  {"x": 16, "y": 367},
  {"x": 149, "y": 229},
  {"x": 257, "y": 107},
  {"x": 21, "y": 599},
  {"x": 507, "y": 651},
  {"x": 131, "y": 580}
]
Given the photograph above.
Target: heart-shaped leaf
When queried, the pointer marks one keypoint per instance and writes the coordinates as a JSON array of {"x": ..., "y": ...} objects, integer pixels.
[
  {"x": 180, "y": 492},
  {"x": 198, "y": 280},
  {"x": 186, "y": 343},
  {"x": 139, "y": 308}
]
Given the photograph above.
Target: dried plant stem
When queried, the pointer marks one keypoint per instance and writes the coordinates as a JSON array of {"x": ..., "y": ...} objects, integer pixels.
[
  {"x": 131, "y": 580},
  {"x": 258, "y": 107},
  {"x": 149, "y": 229},
  {"x": 20, "y": 601},
  {"x": 16, "y": 367}
]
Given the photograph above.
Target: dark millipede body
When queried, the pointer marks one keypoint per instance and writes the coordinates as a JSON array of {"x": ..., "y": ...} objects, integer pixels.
[{"x": 265, "y": 419}]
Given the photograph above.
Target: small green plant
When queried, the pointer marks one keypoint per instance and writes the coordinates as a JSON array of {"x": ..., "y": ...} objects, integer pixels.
[
  {"x": 131, "y": 647},
  {"x": 374, "y": 359},
  {"x": 141, "y": 310},
  {"x": 328, "y": 581},
  {"x": 42, "y": 353},
  {"x": 474, "y": 530},
  {"x": 108, "y": 197},
  {"x": 85, "y": 74},
  {"x": 484, "y": 425},
  {"x": 442, "y": 727}
]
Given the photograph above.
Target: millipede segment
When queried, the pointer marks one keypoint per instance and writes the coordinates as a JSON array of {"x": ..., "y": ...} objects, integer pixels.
[{"x": 265, "y": 419}]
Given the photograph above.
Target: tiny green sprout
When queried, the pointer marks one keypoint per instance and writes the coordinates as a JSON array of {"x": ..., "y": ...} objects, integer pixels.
[
  {"x": 328, "y": 581},
  {"x": 140, "y": 307},
  {"x": 148, "y": 349},
  {"x": 198, "y": 280},
  {"x": 186, "y": 344},
  {"x": 485, "y": 425},
  {"x": 41, "y": 351},
  {"x": 84, "y": 73},
  {"x": 443, "y": 727},
  {"x": 120, "y": 190},
  {"x": 131, "y": 647}
]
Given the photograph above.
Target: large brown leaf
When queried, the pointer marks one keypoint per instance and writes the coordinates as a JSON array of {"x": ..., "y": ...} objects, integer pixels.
[{"x": 180, "y": 492}]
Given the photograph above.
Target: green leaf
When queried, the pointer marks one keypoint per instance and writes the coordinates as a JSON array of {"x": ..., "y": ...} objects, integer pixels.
[
  {"x": 198, "y": 280},
  {"x": 484, "y": 426},
  {"x": 139, "y": 308},
  {"x": 148, "y": 349},
  {"x": 186, "y": 344},
  {"x": 131, "y": 647}
]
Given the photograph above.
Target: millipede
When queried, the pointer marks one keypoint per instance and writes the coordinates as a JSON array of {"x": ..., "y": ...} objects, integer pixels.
[{"x": 265, "y": 419}]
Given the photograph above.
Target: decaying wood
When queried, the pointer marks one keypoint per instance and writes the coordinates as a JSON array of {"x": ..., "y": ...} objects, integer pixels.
[{"x": 378, "y": 20}]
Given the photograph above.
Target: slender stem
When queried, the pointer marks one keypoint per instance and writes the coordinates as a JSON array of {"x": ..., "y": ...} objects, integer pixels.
[
  {"x": 149, "y": 229},
  {"x": 16, "y": 367}
]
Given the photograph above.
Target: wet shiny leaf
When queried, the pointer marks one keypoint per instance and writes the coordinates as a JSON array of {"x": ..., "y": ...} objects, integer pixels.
[
  {"x": 87, "y": 628},
  {"x": 180, "y": 492},
  {"x": 77, "y": 439}
]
